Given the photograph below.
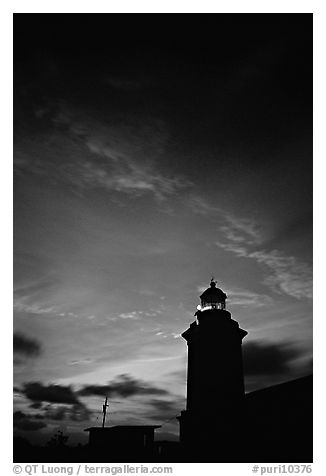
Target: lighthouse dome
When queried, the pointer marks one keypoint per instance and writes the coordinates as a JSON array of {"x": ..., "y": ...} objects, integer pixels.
[{"x": 213, "y": 297}]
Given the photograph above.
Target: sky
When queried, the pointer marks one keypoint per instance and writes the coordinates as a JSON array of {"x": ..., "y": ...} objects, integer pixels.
[{"x": 150, "y": 154}]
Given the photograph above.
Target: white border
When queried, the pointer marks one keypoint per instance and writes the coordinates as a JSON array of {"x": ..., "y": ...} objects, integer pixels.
[{"x": 138, "y": 6}]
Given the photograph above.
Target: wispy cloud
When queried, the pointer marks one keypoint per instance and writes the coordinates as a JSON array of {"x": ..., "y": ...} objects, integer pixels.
[
  {"x": 244, "y": 238},
  {"x": 123, "y": 157},
  {"x": 248, "y": 298},
  {"x": 22, "y": 305},
  {"x": 80, "y": 362},
  {"x": 29, "y": 304},
  {"x": 241, "y": 230},
  {"x": 286, "y": 274},
  {"x": 131, "y": 315},
  {"x": 201, "y": 206},
  {"x": 129, "y": 178},
  {"x": 289, "y": 274},
  {"x": 235, "y": 229}
]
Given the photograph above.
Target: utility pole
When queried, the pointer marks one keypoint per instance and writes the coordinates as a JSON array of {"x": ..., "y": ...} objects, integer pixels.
[{"x": 104, "y": 410}]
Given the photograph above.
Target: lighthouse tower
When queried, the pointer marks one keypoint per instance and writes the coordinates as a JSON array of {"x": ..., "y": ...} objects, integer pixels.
[{"x": 215, "y": 386}]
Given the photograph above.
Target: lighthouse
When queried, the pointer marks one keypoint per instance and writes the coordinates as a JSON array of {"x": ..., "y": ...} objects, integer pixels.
[{"x": 212, "y": 420}]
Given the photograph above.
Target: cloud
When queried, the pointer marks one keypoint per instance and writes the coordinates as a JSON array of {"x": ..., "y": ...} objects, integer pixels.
[
  {"x": 165, "y": 410},
  {"x": 242, "y": 236},
  {"x": 22, "y": 421},
  {"x": 21, "y": 305},
  {"x": 78, "y": 412},
  {"x": 123, "y": 386},
  {"x": 129, "y": 178},
  {"x": 122, "y": 156},
  {"x": 241, "y": 230},
  {"x": 163, "y": 405},
  {"x": 239, "y": 250},
  {"x": 26, "y": 346},
  {"x": 57, "y": 413},
  {"x": 37, "y": 392},
  {"x": 268, "y": 359},
  {"x": 236, "y": 230},
  {"x": 201, "y": 206},
  {"x": 287, "y": 274},
  {"x": 130, "y": 315},
  {"x": 80, "y": 362},
  {"x": 19, "y": 415},
  {"x": 246, "y": 298},
  {"x": 36, "y": 405}
]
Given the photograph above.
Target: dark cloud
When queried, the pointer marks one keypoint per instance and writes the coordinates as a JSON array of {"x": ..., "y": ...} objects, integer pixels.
[
  {"x": 38, "y": 416},
  {"x": 123, "y": 386},
  {"x": 164, "y": 405},
  {"x": 36, "y": 405},
  {"x": 25, "y": 422},
  {"x": 265, "y": 358},
  {"x": 19, "y": 415},
  {"x": 78, "y": 412},
  {"x": 26, "y": 346},
  {"x": 57, "y": 413},
  {"x": 166, "y": 409},
  {"x": 37, "y": 392}
]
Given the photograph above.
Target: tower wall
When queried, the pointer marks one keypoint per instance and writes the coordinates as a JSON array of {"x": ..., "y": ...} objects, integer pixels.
[{"x": 215, "y": 384}]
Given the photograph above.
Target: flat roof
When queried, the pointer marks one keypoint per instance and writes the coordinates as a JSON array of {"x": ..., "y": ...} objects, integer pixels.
[{"x": 122, "y": 427}]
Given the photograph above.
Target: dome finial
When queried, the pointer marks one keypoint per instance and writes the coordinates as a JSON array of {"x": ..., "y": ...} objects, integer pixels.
[{"x": 213, "y": 282}]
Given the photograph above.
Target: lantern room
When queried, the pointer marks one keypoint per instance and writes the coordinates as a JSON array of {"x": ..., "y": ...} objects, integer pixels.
[{"x": 212, "y": 298}]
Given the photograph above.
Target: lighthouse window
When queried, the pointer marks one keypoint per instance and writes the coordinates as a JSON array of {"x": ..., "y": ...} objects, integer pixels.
[{"x": 213, "y": 305}]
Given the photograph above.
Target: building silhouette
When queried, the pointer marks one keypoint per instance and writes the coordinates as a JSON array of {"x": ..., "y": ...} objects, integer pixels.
[
  {"x": 215, "y": 383},
  {"x": 223, "y": 424},
  {"x": 278, "y": 423},
  {"x": 121, "y": 441}
]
